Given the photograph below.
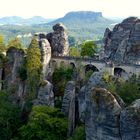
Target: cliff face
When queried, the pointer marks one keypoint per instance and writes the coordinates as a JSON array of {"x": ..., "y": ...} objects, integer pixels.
[{"x": 122, "y": 44}]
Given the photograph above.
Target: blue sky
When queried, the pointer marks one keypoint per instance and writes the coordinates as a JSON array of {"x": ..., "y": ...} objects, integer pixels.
[{"x": 58, "y": 8}]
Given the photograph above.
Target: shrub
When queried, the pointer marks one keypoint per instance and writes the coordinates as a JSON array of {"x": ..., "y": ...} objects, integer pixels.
[
  {"x": 44, "y": 123},
  {"x": 79, "y": 134}
]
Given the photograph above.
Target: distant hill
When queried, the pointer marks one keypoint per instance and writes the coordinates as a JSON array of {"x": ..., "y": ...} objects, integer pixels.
[
  {"x": 84, "y": 24},
  {"x": 81, "y": 25},
  {"x": 15, "y": 20}
]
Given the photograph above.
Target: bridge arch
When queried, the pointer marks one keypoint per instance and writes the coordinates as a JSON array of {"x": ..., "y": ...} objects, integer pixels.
[
  {"x": 89, "y": 67},
  {"x": 72, "y": 65},
  {"x": 120, "y": 72},
  {"x": 54, "y": 64}
]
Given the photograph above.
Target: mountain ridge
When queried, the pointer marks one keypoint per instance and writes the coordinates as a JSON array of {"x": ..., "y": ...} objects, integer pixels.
[{"x": 16, "y": 20}]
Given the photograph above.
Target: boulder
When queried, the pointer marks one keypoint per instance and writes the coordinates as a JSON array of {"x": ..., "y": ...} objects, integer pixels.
[{"x": 130, "y": 122}]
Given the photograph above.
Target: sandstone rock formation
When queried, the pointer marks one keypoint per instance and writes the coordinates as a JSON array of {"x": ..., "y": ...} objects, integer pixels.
[
  {"x": 15, "y": 60},
  {"x": 130, "y": 122},
  {"x": 68, "y": 105},
  {"x": 122, "y": 44},
  {"x": 59, "y": 40},
  {"x": 11, "y": 76},
  {"x": 99, "y": 110},
  {"x": 45, "y": 94},
  {"x": 45, "y": 49}
]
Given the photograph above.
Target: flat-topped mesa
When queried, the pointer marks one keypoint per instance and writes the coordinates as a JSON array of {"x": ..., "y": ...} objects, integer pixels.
[
  {"x": 122, "y": 44},
  {"x": 59, "y": 40}
]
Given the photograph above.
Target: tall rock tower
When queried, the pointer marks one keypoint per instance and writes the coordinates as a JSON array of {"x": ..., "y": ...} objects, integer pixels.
[
  {"x": 45, "y": 49},
  {"x": 59, "y": 40}
]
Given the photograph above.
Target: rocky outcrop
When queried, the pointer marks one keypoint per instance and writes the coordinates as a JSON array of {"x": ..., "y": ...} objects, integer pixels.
[
  {"x": 45, "y": 49},
  {"x": 130, "y": 122},
  {"x": 68, "y": 105},
  {"x": 15, "y": 60},
  {"x": 45, "y": 94},
  {"x": 11, "y": 74},
  {"x": 122, "y": 44},
  {"x": 99, "y": 110},
  {"x": 59, "y": 40}
]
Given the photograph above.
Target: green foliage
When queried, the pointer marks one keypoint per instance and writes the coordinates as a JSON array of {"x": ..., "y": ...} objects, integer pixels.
[
  {"x": 111, "y": 86},
  {"x": 129, "y": 91},
  {"x": 60, "y": 77},
  {"x": 88, "y": 48},
  {"x": 88, "y": 74},
  {"x": 9, "y": 117},
  {"x": 74, "y": 51},
  {"x": 79, "y": 134},
  {"x": 34, "y": 67},
  {"x": 15, "y": 43},
  {"x": 23, "y": 71},
  {"x": 2, "y": 45},
  {"x": 106, "y": 76},
  {"x": 44, "y": 124}
]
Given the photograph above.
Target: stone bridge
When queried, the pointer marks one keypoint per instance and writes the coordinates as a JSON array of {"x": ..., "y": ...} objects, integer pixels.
[{"x": 86, "y": 64}]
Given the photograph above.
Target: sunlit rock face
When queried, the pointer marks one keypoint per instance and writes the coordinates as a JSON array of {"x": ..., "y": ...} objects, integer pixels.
[
  {"x": 59, "y": 40},
  {"x": 122, "y": 44},
  {"x": 45, "y": 49}
]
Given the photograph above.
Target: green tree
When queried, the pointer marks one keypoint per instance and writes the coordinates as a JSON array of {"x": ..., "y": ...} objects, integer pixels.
[
  {"x": 44, "y": 123},
  {"x": 9, "y": 117},
  {"x": 88, "y": 48},
  {"x": 34, "y": 67},
  {"x": 74, "y": 51},
  {"x": 129, "y": 91},
  {"x": 2, "y": 44},
  {"x": 79, "y": 134},
  {"x": 16, "y": 43}
]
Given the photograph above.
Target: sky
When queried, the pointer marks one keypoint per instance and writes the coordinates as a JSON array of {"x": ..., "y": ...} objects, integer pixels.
[{"x": 58, "y": 8}]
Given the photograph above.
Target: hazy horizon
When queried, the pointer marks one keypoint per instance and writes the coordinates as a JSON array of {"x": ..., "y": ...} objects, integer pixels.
[{"x": 56, "y": 9}]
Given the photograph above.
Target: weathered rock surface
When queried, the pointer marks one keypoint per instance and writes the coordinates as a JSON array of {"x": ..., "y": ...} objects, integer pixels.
[
  {"x": 68, "y": 105},
  {"x": 13, "y": 83},
  {"x": 15, "y": 60},
  {"x": 122, "y": 44},
  {"x": 99, "y": 110},
  {"x": 45, "y": 49},
  {"x": 45, "y": 94},
  {"x": 59, "y": 40},
  {"x": 130, "y": 122}
]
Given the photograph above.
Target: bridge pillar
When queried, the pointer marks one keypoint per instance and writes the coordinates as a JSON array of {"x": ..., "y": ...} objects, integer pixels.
[{"x": 110, "y": 70}]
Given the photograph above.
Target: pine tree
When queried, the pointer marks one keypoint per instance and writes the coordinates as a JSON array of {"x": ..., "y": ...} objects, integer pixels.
[{"x": 34, "y": 67}]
